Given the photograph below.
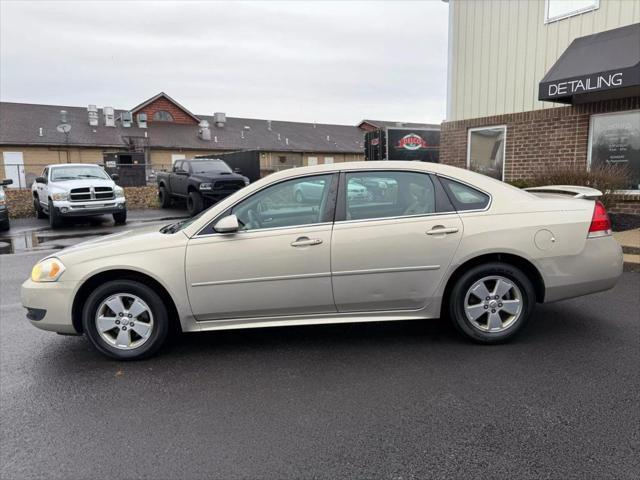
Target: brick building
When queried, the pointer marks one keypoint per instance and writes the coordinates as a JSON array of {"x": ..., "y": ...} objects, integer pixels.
[
  {"x": 534, "y": 84},
  {"x": 156, "y": 133}
]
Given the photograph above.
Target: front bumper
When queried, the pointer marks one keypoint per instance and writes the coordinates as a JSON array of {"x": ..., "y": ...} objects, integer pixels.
[
  {"x": 216, "y": 195},
  {"x": 598, "y": 267},
  {"x": 85, "y": 209},
  {"x": 55, "y": 298}
]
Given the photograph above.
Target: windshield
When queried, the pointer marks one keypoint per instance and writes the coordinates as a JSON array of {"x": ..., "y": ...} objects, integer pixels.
[
  {"x": 207, "y": 166},
  {"x": 78, "y": 172}
]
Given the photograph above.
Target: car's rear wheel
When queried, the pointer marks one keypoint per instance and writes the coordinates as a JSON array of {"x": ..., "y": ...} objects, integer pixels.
[
  {"x": 492, "y": 302},
  {"x": 125, "y": 320},
  {"x": 194, "y": 203},
  {"x": 55, "y": 220},
  {"x": 164, "y": 197},
  {"x": 38, "y": 208}
]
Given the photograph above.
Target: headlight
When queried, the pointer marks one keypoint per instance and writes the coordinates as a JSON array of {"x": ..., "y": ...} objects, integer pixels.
[
  {"x": 205, "y": 186},
  {"x": 119, "y": 191},
  {"x": 48, "y": 270},
  {"x": 60, "y": 196}
]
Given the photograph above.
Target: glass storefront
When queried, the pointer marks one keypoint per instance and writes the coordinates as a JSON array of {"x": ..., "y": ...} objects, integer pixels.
[
  {"x": 486, "y": 151},
  {"x": 614, "y": 139}
]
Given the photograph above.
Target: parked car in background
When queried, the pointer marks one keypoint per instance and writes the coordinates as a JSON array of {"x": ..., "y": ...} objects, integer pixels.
[
  {"x": 77, "y": 190},
  {"x": 313, "y": 190},
  {"x": 4, "y": 209},
  {"x": 446, "y": 240},
  {"x": 201, "y": 182}
]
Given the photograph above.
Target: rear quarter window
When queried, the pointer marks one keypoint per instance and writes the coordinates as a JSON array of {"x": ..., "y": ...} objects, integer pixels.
[{"x": 463, "y": 196}]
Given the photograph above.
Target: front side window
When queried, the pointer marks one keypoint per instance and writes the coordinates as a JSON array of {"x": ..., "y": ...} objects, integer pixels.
[
  {"x": 162, "y": 116},
  {"x": 485, "y": 151},
  {"x": 302, "y": 201},
  {"x": 372, "y": 195},
  {"x": 559, "y": 9},
  {"x": 615, "y": 141},
  {"x": 77, "y": 173}
]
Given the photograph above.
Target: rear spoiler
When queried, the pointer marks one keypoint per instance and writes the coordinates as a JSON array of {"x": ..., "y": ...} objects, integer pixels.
[{"x": 576, "y": 192}]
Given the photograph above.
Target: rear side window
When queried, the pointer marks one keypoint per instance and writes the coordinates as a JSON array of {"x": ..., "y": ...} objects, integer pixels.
[{"x": 463, "y": 196}]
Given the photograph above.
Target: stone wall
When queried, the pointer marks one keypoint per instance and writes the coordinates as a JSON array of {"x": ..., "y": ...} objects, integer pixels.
[{"x": 20, "y": 201}]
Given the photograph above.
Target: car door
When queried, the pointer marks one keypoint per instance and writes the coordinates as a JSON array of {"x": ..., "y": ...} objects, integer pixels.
[
  {"x": 41, "y": 188},
  {"x": 390, "y": 252},
  {"x": 179, "y": 178},
  {"x": 279, "y": 263}
]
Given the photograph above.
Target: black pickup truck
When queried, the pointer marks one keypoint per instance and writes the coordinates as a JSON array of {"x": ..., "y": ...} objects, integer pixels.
[{"x": 201, "y": 182}]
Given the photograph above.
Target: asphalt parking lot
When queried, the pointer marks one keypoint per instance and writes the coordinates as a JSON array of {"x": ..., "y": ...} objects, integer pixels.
[{"x": 399, "y": 400}]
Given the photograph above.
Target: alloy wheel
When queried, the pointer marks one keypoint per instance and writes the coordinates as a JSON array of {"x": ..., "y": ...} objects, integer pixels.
[
  {"x": 124, "y": 321},
  {"x": 493, "y": 304}
]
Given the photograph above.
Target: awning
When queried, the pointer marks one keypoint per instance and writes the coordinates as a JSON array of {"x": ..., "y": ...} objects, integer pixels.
[{"x": 602, "y": 66}]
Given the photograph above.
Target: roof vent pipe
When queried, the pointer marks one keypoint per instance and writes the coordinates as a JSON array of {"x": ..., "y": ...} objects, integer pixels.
[
  {"x": 286, "y": 141},
  {"x": 269, "y": 125},
  {"x": 40, "y": 132},
  {"x": 203, "y": 131},
  {"x": 219, "y": 118},
  {"x": 92, "y": 112}
]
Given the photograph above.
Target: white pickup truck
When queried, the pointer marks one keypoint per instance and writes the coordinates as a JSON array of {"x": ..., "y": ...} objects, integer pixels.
[{"x": 77, "y": 190}]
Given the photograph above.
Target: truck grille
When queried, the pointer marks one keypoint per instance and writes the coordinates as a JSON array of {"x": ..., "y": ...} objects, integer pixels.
[
  {"x": 228, "y": 184},
  {"x": 91, "y": 194}
]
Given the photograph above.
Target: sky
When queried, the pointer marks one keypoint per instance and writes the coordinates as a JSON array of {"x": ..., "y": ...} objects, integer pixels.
[{"x": 322, "y": 61}]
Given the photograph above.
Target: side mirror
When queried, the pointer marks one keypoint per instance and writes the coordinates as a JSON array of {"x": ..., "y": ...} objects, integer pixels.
[
  {"x": 41, "y": 180},
  {"x": 228, "y": 224},
  {"x": 6, "y": 181},
  {"x": 237, "y": 170},
  {"x": 115, "y": 177}
]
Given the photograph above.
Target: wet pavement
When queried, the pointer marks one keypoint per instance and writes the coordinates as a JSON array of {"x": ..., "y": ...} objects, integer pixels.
[{"x": 399, "y": 400}]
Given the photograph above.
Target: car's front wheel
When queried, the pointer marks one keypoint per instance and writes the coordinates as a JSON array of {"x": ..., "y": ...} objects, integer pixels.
[
  {"x": 125, "y": 320},
  {"x": 492, "y": 302},
  {"x": 55, "y": 220},
  {"x": 120, "y": 218}
]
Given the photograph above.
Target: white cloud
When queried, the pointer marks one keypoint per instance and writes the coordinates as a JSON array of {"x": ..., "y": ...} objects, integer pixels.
[{"x": 326, "y": 61}]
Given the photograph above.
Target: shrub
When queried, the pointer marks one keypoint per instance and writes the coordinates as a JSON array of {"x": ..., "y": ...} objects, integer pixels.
[{"x": 606, "y": 178}]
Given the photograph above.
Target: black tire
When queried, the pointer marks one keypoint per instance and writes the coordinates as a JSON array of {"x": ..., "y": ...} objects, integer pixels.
[
  {"x": 55, "y": 220},
  {"x": 494, "y": 269},
  {"x": 164, "y": 197},
  {"x": 120, "y": 218},
  {"x": 160, "y": 329},
  {"x": 38, "y": 208},
  {"x": 4, "y": 225},
  {"x": 194, "y": 203}
]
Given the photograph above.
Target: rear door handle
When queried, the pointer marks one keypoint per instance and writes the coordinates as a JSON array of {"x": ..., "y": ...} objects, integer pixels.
[
  {"x": 441, "y": 230},
  {"x": 306, "y": 242}
]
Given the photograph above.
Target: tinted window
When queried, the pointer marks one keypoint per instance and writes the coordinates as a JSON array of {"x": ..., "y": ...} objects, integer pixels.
[
  {"x": 388, "y": 194},
  {"x": 302, "y": 201},
  {"x": 463, "y": 196}
]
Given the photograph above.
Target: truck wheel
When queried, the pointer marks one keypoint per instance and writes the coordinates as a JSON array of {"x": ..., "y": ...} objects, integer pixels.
[
  {"x": 38, "y": 208},
  {"x": 55, "y": 220},
  {"x": 125, "y": 320},
  {"x": 4, "y": 226},
  {"x": 194, "y": 203},
  {"x": 120, "y": 218},
  {"x": 164, "y": 197}
]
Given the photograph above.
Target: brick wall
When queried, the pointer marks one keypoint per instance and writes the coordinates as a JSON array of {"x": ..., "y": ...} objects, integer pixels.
[
  {"x": 539, "y": 139},
  {"x": 179, "y": 115},
  {"x": 535, "y": 139}
]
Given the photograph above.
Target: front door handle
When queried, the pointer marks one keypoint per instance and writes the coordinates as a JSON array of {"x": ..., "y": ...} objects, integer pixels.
[
  {"x": 441, "y": 230},
  {"x": 306, "y": 242}
]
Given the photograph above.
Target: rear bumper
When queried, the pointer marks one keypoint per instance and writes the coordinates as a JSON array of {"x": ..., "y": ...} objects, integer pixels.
[
  {"x": 48, "y": 305},
  {"x": 598, "y": 267}
]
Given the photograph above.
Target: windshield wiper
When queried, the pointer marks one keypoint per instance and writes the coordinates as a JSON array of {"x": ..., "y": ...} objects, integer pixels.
[{"x": 172, "y": 228}]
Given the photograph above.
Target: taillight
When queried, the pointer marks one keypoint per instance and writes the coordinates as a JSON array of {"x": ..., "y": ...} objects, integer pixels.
[{"x": 600, "y": 223}]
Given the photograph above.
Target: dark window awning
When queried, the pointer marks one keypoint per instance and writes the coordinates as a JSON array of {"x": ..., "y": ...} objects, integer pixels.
[{"x": 596, "y": 67}]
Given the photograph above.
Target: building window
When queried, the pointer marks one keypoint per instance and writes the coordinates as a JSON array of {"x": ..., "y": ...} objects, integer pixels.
[
  {"x": 162, "y": 116},
  {"x": 282, "y": 159},
  {"x": 328, "y": 160},
  {"x": 559, "y": 9},
  {"x": 485, "y": 150},
  {"x": 312, "y": 161},
  {"x": 614, "y": 139}
]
